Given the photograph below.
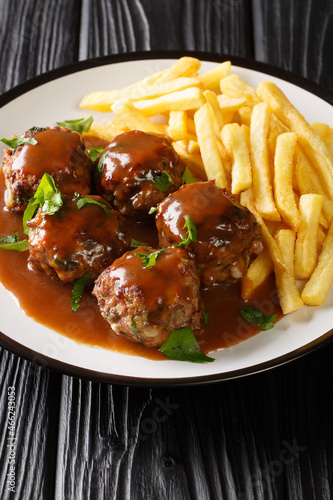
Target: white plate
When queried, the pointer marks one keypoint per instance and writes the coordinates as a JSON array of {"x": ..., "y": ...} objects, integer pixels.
[{"x": 55, "y": 97}]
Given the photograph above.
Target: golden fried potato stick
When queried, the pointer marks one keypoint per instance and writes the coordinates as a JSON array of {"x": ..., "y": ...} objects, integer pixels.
[
  {"x": 185, "y": 66},
  {"x": 316, "y": 289},
  {"x": 204, "y": 123},
  {"x": 310, "y": 206},
  {"x": 233, "y": 86},
  {"x": 211, "y": 79},
  {"x": 246, "y": 200},
  {"x": 190, "y": 98},
  {"x": 261, "y": 175},
  {"x": 289, "y": 296},
  {"x": 244, "y": 115},
  {"x": 228, "y": 103},
  {"x": 192, "y": 160},
  {"x": 321, "y": 128},
  {"x": 308, "y": 182},
  {"x": 105, "y": 132},
  {"x": 103, "y": 100},
  {"x": 313, "y": 145},
  {"x": 129, "y": 118},
  {"x": 177, "y": 128},
  {"x": 283, "y": 175},
  {"x": 235, "y": 141},
  {"x": 211, "y": 98},
  {"x": 257, "y": 273},
  {"x": 328, "y": 140}
]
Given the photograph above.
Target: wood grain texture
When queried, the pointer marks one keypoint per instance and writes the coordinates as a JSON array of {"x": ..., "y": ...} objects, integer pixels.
[
  {"x": 222, "y": 26},
  {"x": 35, "y": 37},
  {"x": 297, "y": 36},
  {"x": 36, "y": 413},
  {"x": 268, "y": 436}
]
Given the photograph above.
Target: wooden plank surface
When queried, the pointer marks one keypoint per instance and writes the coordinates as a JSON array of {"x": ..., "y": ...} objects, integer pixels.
[
  {"x": 297, "y": 36},
  {"x": 268, "y": 436}
]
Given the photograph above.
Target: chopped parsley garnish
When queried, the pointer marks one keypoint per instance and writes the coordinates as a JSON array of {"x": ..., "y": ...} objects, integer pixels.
[
  {"x": 94, "y": 152},
  {"x": 134, "y": 328},
  {"x": 80, "y": 125},
  {"x": 255, "y": 316},
  {"x": 150, "y": 259},
  {"x": 191, "y": 233},
  {"x": 206, "y": 317},
  {"x": 182, "y": 345},
  {"x": 47, "y": 197},
  {"x": 163, "y": 181},
  {"x": 13, "y": 238},
  {"x": 188, "y": 177},
  {"x": 68, "y": 265},
  {"x": 18, "y": 141},
  {"x": 100, "y": 165},
  {"x": 12, "y": 243},
  {"x": 77, "y": 292},
  {"x": 152, "y": 210},
  {"x": 136, "y": 243},
  {"x": 83, "y": 201}
]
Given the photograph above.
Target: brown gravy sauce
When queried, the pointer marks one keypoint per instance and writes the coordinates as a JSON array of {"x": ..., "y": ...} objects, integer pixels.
[{"x": 49, "y": 302}]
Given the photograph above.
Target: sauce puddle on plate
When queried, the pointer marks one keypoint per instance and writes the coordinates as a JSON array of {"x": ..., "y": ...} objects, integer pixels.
[{"x": 49, "y": 302}]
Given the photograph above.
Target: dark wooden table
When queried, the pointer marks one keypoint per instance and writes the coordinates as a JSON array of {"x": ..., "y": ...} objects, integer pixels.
[{"x": 267, "y": 436}]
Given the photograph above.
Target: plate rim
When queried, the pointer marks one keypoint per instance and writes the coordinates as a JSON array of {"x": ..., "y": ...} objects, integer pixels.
[
  {"x": 45, "y": 77},
  {"x": 69, "y": 369}
]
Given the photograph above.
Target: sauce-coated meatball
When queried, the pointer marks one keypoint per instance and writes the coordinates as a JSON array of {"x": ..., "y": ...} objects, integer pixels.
[
  {"x": 73, "y": 242},
  {"x": 145, "y": 304},
  {"x": 131, "y": 165},
  {"x": 227, "y": 233},
  {"x": 58, "y": 152}
]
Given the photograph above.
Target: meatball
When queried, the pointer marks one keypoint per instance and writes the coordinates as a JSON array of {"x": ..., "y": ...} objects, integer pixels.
[
  {"x": 227, "y": 233},
  {"x": 130, "y": 171},
  {"x": 73, "y": 242},
  {"x": 146, "y": 304},
  {"x": 58, "y": 152}
]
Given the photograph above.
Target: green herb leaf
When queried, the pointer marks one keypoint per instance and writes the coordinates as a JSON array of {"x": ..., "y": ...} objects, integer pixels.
[
  {"x": 77, "y": 292},
  {"x": 182, "y": 345},
  {"x": 134, "y": 328},
  {"x": 67, "y": 265},
  {"x": 255, "y": 316},
  {"x": 80, "y": 125},
  {"x": 13, "y": 238},
  {"x": 136, "y": 243},
  {"x": 12, "y": 243},
  {"x": 83, "y": 201},
  {"x": 18, "y": 141},
  {"x": 47, "y": 197},
  {"x": 150, "y": 259},
  {"x": 163, "y": 181},
  {"x": 191, "y": 233},
  {"x": 152, "y": 210},
  {"x": 206, "y": 317},
  {"x": 188, "y": 177},
  {"x": 100, "y": 165},
  {"x": 94, "y": 152}
]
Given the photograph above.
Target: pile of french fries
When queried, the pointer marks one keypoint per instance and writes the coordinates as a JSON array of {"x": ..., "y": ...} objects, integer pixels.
[{"x": 256, "y": 144}]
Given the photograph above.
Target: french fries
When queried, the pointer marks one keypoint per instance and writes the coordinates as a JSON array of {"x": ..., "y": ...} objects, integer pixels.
[
  {"x": 235, "y": 141},
  {"x": 316, "y": 289},
  {"x": 313, "y": 145},
  {"x": 204, "y": 122},
  {"x": 310, "y": 206},
  {"x": 256, "y": 144},
  {"x": 259, "y": 270},
  {"x": 283, "y": 171},
  {"x": 290, "y": 299},
  {"x": 262, "y": 186}
]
